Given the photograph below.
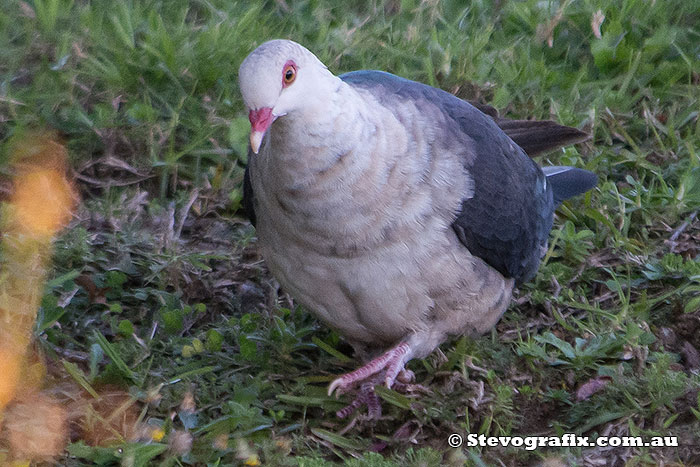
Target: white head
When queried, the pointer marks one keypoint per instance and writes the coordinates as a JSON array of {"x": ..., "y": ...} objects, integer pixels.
[{"x": 276, "y": 79}]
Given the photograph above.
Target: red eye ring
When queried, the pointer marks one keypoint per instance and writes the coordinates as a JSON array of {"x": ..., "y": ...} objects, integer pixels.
[{"x": 289, "y": 73}]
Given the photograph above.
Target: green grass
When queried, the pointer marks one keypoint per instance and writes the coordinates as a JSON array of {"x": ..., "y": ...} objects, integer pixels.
[{"x": 158, "y": 290}]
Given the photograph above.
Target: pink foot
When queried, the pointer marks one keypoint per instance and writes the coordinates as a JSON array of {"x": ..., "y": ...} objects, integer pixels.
[
  {"x": 391, "y": 363},
  {"x": 365, "y": 396}
]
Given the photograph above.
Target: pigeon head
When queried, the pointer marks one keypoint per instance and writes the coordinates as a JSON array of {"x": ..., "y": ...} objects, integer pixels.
[{"x": 278, "y": 78}]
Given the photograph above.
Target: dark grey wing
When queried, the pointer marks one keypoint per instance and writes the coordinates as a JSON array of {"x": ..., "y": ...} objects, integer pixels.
[
  {"x": 507, "y": 220},
  {"x": 248, "y": 195}
]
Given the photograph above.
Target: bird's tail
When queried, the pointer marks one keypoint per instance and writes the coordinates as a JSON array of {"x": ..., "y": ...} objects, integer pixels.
[
  {"x": 534, "y": 136},
  {"x": 540, "y": 136},
  {"x": 567, "y": 182}
]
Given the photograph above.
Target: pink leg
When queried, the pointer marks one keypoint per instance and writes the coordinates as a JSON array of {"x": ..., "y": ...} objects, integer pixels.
[{"x": 391, "y": 362}]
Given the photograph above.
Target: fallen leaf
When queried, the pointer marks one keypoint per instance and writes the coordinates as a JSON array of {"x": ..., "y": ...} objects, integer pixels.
[
  {"x": 545, "y": 32},
  {"x": 66, "y": 297},
  {"x": 27, "y": 10},
  {"x": 591, "y": 386},
  {"x": 596, "y": 22},
  {"x": 180, "y": 442},
  {"x": 36, "y": 427},
  {"x": 95, "y": 294},
  {"x": 691, "y": 355}
]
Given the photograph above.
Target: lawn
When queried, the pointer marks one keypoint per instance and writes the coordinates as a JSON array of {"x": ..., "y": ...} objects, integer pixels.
[{"x": 160, "y": 337}]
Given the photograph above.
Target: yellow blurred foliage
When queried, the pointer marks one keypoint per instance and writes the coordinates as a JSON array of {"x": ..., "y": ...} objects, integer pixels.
[
  {"x": 34, "y": 425},
  {"x": 43, "y": 196},
  {"x": 10, "y": 368},
  {"x": 42, "y": 202}
]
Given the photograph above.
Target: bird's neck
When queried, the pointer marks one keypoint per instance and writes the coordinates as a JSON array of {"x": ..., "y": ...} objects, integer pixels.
[
  {"x": 326, "y": 172},
  {"x": 307, "y": 144}
]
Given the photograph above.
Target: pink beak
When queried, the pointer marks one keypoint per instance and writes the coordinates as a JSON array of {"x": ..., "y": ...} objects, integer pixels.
[{"x": 260, "y": 121}]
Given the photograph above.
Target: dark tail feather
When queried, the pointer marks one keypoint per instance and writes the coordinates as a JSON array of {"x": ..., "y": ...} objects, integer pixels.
[
  {"x": 534, "y": 136},
  {"x": 487, "y": 109},
  {"x": 567, "y": 182},
  {"x": 538, "y": 136}
]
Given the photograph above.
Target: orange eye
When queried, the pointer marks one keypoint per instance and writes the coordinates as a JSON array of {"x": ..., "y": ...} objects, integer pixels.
[{"x": 289, "y": 73}]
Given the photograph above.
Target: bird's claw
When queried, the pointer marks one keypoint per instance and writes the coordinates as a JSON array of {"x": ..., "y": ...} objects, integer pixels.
[
  {"x": 340, "y": 384},
  {"x": 391, "y": 363}
]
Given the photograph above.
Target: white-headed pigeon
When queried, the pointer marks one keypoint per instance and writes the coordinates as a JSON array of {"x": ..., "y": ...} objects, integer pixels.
[{"x": 396, "y": 212}]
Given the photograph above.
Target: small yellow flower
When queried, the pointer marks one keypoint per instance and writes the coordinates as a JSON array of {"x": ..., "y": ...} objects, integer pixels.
[
  {"x": 157, "y": 434},
  {"x": 252, "y": 460}
]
